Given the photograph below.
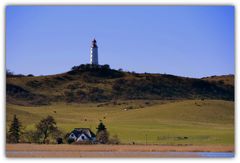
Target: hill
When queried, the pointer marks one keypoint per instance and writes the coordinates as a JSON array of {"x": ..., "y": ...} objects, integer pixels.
[
  {"x": 224, "y": 79},
  {"x": 86, "y": 83}
]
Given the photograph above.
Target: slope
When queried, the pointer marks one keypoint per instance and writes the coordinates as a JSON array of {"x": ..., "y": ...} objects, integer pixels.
[
  {"x": 192, "y": 122},
  {"x": 85, "y": 84}
]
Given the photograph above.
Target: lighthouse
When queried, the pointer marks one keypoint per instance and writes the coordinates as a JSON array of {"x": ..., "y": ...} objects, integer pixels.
[{"x": 94, "y": 53}]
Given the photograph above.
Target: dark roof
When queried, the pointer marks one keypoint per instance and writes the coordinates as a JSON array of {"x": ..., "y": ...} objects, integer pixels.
[{"x": 86, "y": 131}]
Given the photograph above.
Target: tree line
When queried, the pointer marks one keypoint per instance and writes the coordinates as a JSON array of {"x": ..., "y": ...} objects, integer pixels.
[{"x": 47, "y": 129}]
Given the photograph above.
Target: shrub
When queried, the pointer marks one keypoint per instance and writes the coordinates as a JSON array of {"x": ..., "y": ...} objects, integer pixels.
[
  {"x": 69, "y": 96},
  {"x": 70, "y": 141},
  {"x": 106, "y": 66},
  {"x": 103, "y": 137},
  {"x": 102, "y": 134},
  {"x": 30, "y": 75},
  {"x": 59, "y": 140},
  {"x": 114, "y": 140},
  {"x": 31, "y": 137}
]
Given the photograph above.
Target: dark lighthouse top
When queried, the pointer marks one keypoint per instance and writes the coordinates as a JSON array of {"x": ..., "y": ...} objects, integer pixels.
[{"x": 94, "y": 43}]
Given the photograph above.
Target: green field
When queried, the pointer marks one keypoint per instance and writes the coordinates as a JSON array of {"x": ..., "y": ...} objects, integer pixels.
[{"x": 208, "y": 122}]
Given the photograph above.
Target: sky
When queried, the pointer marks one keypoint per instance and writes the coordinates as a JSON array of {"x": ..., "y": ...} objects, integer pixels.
[{"x": 192, "y": 41}]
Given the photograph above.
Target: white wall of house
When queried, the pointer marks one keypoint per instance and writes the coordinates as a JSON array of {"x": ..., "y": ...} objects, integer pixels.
[{"x": 82, "y": 137}]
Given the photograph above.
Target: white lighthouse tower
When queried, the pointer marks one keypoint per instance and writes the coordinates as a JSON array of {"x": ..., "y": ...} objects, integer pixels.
[{"x": 94, "y": 53}]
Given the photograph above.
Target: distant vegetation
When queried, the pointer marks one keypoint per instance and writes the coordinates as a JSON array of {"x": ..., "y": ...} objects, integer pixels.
[
  {"x": 100, "y": 71},
  {"x": 11, "y": 74},
  {"x": 91, "y": 83},
  {"x": 224, "y": 79},
  {"x": 47, "y": 132}
]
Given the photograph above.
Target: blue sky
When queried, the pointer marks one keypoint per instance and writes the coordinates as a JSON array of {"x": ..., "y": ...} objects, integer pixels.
[{"x": 194, "y": 41}]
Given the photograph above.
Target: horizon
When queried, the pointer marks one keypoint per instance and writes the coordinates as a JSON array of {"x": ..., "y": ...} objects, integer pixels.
[
  {"x": 120, "y": 70},
  {"x": 189, "y": 41}
]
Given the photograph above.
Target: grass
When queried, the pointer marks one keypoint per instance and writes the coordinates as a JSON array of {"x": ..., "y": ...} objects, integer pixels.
[
  {"x": 99, "y": 85},
  {"x": 106, "y": 151},
  {"x": 192, "y": 122}
]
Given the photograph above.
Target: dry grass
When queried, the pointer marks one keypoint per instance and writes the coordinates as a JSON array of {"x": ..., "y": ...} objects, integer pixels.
[
  {"x": 226, "y": 79},
  {"x": 135, "y": 148},
  {"x": 35, "y": 150}
]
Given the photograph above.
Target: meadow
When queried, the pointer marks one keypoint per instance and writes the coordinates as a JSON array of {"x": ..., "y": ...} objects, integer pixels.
[{"x": 186, "y": 122}]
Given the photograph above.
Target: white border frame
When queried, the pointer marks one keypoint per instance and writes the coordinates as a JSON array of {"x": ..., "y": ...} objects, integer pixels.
[{"x": 4, "y": 3}]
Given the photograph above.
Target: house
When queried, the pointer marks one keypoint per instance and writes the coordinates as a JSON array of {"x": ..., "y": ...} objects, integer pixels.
[{"x": 82, "y": 135}]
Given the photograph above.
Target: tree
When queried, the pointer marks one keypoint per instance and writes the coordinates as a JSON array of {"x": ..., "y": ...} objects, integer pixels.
[
  {"x": 101, "y": 127},
  {"x": 46, "y": 127},
  {"x": 14, "y": 131},
  {"x": 102, "y": 134}
]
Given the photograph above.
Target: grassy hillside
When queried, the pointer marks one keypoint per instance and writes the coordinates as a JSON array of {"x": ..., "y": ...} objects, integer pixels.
[
  {"x": 92, "y": 84},
  {"x": 224, "y": 79},
  {"x": 197, "y": 122}
]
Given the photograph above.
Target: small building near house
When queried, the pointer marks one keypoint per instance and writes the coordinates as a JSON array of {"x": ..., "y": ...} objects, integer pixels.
[{"x": 79, "y": 135}]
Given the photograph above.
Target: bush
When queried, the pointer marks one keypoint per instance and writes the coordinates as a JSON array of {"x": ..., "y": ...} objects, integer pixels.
[
  {"x": 31, "y": 137},
  {"x": 107, "y": 67},
  {"x": 59, "y": 140},
  {"x": 102, "y": 134},
  {"x": 30, "y": 75},
  {"x": 70, "y": 141},
  {"x": 114, "y": 140},
  {"x": 69, "y": 96},
  {"x": 221, "y": 82},
  {"x": 103, "y": 137}
]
